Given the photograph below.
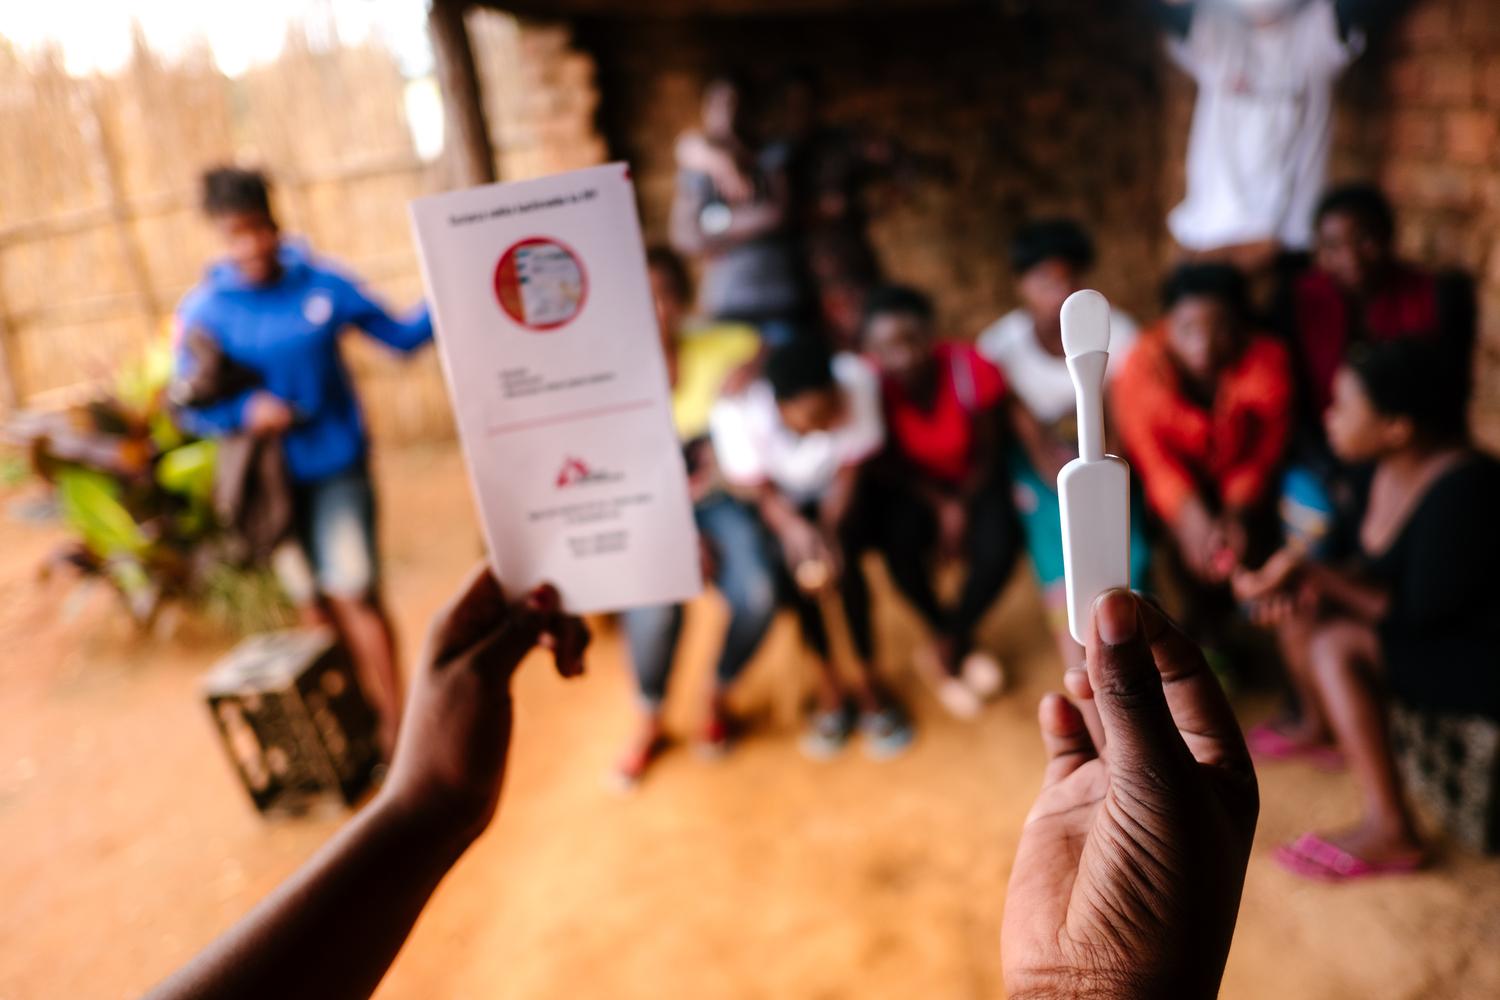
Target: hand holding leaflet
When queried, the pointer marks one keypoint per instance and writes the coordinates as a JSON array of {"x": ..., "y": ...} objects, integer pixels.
[
  {"x": 549, "y": 342},
  {"x": 1094, "y": 488}
]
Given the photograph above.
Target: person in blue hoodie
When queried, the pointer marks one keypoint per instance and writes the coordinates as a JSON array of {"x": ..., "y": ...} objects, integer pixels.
[{"x": 278, "y": 311}]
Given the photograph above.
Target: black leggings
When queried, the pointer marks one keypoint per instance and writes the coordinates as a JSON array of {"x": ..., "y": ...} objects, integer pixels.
[
  {"x": 903, "y": 527},
  {"x": 853, "y": 589}
]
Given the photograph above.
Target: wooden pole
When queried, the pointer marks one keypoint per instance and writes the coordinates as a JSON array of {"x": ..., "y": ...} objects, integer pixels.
[
  {"x": 471, "y": 160},
  {"x": 10, "y": 378},
  {"x": 107, "y": 174}
]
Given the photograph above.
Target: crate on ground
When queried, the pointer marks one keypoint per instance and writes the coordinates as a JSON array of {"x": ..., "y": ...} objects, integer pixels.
[{"x": 293, "y": 720}]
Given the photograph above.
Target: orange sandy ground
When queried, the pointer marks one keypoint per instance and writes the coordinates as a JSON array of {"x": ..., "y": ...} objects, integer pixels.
[{"x": 125, "y": 843}]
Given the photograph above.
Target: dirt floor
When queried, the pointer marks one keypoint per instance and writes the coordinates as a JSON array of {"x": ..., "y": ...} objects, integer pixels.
[{"x": 127, "y": 843}]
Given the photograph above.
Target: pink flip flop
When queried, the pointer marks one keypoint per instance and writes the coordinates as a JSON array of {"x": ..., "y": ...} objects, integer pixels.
[
  {"x": 1315, "y": 858},
  {"x": 1266, "y": 743}
]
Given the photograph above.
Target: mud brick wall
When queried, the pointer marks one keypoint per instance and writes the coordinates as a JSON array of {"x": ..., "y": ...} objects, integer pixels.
[
  {"x": 1068, "y": 106},
  {"x": 1041, "y": 109},
  {"x": 540, "y": 95},
  {"x": 1426, "y": 124}
]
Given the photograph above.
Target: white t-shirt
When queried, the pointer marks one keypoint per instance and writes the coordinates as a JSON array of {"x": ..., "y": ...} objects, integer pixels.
[
  {"x": 1257, "y": 154},
  {"x": 753, "y": 446},
  {"x": 1039, "y": 377}
]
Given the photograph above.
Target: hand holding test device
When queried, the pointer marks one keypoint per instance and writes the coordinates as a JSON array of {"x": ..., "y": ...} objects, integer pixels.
[{"x": 1094, "y": 488}]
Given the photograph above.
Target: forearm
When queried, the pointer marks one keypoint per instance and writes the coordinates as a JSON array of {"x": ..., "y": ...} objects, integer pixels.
[
  {"x": 837, "y": 501},
  {"x": 213, "y": 419},
  {"x": 1035, "y": 442},
  {"x": 750, "y": 222},
  {"x": 776, "y": 510},
  {"x": 403, "y": 334},
  {"x": 333, "y": 929},
  {"x": 1365, "y": 601},
  {"x": 683, "y": 230}
]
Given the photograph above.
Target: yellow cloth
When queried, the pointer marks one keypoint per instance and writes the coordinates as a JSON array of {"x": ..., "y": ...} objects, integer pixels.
[{"x": 706, "y": 357}]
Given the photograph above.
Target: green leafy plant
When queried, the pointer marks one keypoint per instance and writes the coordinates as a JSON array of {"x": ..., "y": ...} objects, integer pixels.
[{"x": 138, "y": 497}]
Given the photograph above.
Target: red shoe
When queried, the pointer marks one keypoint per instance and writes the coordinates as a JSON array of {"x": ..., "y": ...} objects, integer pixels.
[
  {"x": 716, "y": 737},
  {"x": 631, "y": 768}
]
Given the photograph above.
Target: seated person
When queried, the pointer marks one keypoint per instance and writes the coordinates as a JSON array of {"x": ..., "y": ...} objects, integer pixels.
[
  {"x": 1356, "y": 292},
  {"x": 699, "y": 363},
  {"x": 1418, "y": 614},
  {"x": 939, "y": 491},
  {"x": 1359, "y": 291},
  {"x": 796, "y": 442},
  {"x": 1204, "y": 408},
  {"x": 1051, "y": 258}
]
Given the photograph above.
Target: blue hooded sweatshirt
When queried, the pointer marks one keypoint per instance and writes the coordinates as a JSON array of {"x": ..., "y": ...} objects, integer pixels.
[{"x": 288, "y": 333}]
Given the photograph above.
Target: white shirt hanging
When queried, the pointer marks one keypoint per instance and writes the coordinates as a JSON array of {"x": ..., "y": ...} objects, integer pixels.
[{"x": 1257, "y": 155}]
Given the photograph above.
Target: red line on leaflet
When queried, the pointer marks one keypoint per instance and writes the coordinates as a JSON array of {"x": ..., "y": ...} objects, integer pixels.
[{"x": 567, "y": 418}]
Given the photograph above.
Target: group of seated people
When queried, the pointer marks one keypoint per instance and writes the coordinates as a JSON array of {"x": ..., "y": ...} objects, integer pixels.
[{"x": 1303, "y": 468}]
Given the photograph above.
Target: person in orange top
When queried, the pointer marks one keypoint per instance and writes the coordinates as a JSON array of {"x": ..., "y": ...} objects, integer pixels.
[{"x": 1204, "y": 408}]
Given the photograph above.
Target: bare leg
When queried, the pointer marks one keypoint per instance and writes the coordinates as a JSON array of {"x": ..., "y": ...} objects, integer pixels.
[
  {"x": 866, "y": 689},
  {"x": 1308, "y": 727},
  {"x": 372, "y": 645},
  {"x": 314, "y": 615},
  {"x": 1343, "y": 655}
]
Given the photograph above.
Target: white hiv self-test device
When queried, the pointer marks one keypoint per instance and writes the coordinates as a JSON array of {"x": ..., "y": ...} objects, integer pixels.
[{"x": 1094, "y": 488}]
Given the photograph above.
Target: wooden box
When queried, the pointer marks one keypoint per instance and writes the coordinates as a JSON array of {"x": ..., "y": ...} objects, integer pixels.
[{"x": 293, "y": 720}]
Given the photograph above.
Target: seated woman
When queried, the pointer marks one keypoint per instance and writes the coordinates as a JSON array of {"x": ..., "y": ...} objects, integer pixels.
[
  {"x": 796, "y": 442},
  {"x": 1051, "y": 258},
  {"x": 1419, "y": 616},
  {"x": 1204, "y": 408},
  {"x": 939, "y": 491},
  {"x": 699, "y": 364}
]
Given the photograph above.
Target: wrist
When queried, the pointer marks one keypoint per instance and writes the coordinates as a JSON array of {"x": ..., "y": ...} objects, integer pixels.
[
  {"x": 439, "y": 835},
  {"x": 1102, "y": 984}
]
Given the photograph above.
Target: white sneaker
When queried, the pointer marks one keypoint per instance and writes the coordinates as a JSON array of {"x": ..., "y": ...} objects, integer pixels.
[
  {"x": 983, "y": 675},
  {"x": 959, "y": 699}
]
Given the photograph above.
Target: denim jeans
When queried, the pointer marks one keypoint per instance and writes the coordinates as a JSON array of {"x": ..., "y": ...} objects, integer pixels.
[
  {"x": 744, "y": 576},
  {"x": 334, "y": 554}
]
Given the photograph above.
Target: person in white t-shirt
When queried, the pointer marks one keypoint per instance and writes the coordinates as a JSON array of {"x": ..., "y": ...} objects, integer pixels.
[
  {"x": 795, "y": 442},
  {"x": 1050, "y": 258},
  {"x": 1257, "y": 157}
]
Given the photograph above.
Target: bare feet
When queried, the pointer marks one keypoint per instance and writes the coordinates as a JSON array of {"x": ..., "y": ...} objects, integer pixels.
[
  {"x": 1272, "y": 741},
  {"x": 1378, "y": 843}
]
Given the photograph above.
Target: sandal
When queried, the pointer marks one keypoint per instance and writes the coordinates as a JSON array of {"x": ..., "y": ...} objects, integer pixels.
[
  {"x": 716, "y": 737},
  {"x": 1314, "y": 857},
  {"x": 1268, "y": 743},
  {"x": 983, "y": 674}
]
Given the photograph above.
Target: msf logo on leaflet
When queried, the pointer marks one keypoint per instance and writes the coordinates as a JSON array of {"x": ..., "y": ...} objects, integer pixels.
[{"x": 577, "y": 472}]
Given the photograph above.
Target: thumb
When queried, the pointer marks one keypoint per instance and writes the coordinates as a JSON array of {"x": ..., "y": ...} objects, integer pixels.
[{"x": 1139, "y": 731}]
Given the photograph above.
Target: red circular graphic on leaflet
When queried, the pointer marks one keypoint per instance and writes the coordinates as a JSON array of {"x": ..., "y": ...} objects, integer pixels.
[{"x": 541, "y": 284}]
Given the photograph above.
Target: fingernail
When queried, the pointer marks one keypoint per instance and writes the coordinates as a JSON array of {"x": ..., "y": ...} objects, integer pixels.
[{"x": 1116, "y": 617}]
